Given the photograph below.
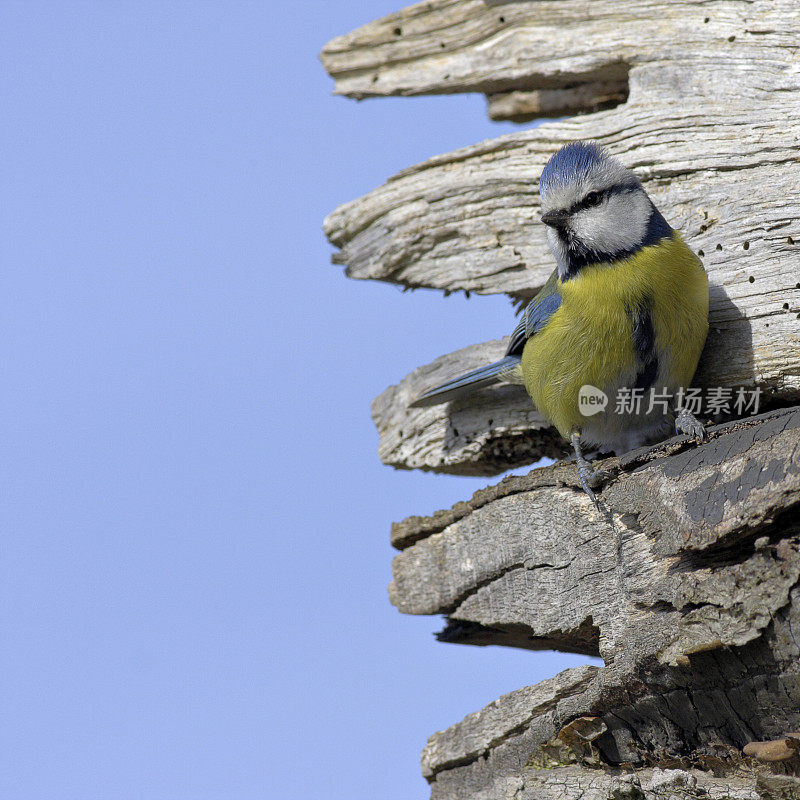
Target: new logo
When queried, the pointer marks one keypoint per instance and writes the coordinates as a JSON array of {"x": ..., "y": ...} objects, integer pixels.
[{"x": 591, "y": 400}]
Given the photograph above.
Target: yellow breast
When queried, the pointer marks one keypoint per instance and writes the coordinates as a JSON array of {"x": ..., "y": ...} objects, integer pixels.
[{"x": 589, "y": 339}]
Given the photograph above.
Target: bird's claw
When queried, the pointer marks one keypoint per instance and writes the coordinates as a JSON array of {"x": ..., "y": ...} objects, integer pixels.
[
  {"x": 687, "y": 423},
  {"x": 591, "y": 479}
]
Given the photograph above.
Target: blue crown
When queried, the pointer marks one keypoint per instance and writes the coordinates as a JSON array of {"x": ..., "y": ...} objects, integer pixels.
[{"x": 569, "y": 164}]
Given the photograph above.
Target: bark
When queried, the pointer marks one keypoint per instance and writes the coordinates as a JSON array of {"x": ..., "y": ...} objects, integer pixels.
[{"x": 686, "y": 580}]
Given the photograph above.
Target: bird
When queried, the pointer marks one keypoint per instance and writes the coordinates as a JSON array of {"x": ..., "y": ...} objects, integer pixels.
[{"x": 625, "y": 309}]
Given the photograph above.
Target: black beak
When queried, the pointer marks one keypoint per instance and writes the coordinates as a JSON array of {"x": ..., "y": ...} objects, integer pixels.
[{"x": 555, "y": 219}]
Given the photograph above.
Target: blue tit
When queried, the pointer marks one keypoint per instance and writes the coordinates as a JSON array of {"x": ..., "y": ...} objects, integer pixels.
[{"x": 625, "y": 309}]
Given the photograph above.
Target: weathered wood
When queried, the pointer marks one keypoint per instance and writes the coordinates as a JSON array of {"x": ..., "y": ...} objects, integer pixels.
[
  {"x": 709, "y": 124},
  {"x": 485, "y": 729},
  {"x": 494, "y": 430},
  {"x": 525, "y": 106},
  {"x": 630, "y": 569},
  {"x": 447, "y": 46},
  {"x": 686, "y": 582}
]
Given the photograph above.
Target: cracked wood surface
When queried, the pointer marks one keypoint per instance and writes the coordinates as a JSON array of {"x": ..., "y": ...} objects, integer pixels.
[
  {"x": 680, "y": 728},
  {"x": 686, "y": 582},
  {"x": 709, "y": 124},
  {"x": 664, "y": 568},
  {"x": 447, "y": 46},
  {"x": 488, "y": 432}
]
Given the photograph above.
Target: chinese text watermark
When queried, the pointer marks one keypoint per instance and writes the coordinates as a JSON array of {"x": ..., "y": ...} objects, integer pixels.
[{"x": 717, "y": 400}]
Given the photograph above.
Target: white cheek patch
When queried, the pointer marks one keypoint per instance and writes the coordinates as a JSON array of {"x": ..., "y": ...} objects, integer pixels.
[{"x": 619, "y": 223}]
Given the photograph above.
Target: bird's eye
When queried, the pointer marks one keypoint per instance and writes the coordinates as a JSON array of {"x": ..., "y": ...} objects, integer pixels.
[{"x": 592, "y": 199}]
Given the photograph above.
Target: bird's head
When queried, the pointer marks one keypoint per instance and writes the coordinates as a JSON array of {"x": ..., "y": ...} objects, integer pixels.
[{"x": 595, "y": 209}]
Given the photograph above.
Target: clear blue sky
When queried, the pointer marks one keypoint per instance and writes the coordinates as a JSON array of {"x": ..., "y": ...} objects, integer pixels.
[{"x": 195, "y": 521}]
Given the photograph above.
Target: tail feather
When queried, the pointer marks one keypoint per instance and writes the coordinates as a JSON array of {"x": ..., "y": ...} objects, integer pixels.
[{"x": 507, "y": 369}]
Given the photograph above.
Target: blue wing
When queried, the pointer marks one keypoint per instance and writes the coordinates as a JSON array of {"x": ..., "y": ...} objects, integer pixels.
[
  {"x": 534, "y": 318},
  {"x": 536, "y": 315},
  {"x": 501, "y": 370}
]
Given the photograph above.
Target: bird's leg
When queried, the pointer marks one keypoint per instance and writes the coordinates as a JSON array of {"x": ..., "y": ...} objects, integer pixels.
[
  {"x": 588, "y": 477},
  {"x": 686, "y": 422}
]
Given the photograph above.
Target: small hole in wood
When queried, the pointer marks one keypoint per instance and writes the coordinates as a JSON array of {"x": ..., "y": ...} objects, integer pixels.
[
  {"x": 766, "y": 324},
  {"x": 491, "y": 422},
  {"x": 700, "y": 253},
  {"x": 398, "y": 31},
  {"x": 797, "y": 286},
  {"x": 746, "y": 245},
  {"x": 791, "y": 241},
  {"x": 374, "y": 78},
  {"x": 719, "y": 247},
  {"x": 798, "y": 316},
  {"x": 731, "y": 38},
  {"x": 501, "y": 19},
  {"x": 442, "y": 45},
  {"x": 455, "y": 431},
  {"x": 446, "y": 77},
  {"x": 751, "y": 279},
  {"x": 706, "y": 19},
  {"x": 786, "y": 306}
]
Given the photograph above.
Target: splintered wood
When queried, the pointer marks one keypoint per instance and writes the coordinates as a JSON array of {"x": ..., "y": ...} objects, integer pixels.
[
  {"x": 686, "y": 580},
  {"x": 710, "y": 124}
]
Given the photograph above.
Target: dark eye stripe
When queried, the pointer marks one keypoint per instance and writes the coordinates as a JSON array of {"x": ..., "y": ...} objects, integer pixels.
[
  {"x": 595, "y": 198},
  {"x": 591, "y": 199}
]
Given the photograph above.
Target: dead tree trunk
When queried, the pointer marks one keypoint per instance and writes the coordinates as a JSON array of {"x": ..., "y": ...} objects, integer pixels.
[{"x": 687, "y": 582}]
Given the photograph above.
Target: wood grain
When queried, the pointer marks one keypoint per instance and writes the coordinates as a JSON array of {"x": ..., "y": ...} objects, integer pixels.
[
  {"x": 709, "y": 124},
  {"x": 686, "y": 582}
]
